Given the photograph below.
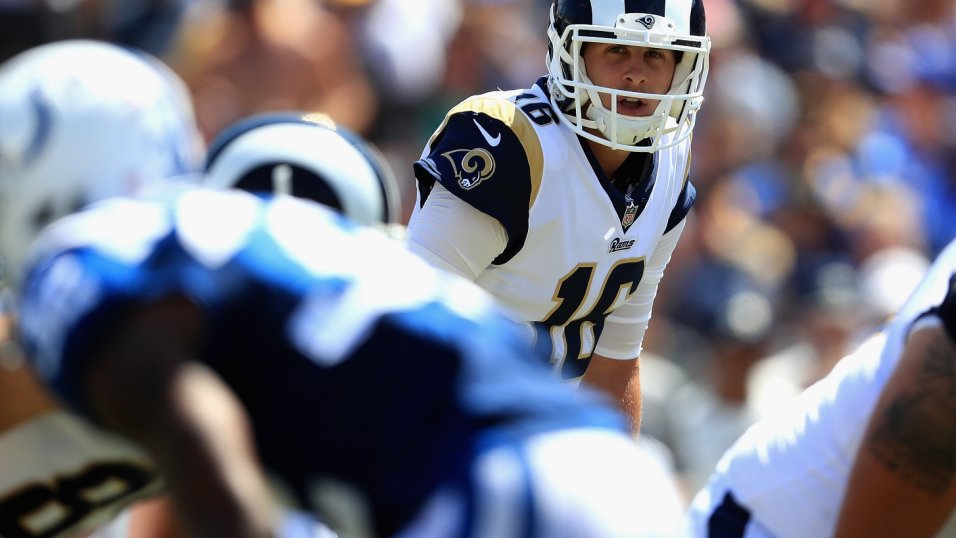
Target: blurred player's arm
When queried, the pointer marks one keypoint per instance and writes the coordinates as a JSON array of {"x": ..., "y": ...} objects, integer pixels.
[
  {"x": 903, "y": 482},
  {"x": 154, "y": 518},
  {"x": 143, "y": 384},
  {"x": 22, "y": 397}
]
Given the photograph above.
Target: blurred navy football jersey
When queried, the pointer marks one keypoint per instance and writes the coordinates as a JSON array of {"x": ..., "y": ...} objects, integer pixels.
[{"x": 357, "y": 363}]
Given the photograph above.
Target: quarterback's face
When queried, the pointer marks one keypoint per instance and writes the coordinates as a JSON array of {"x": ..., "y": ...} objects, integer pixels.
[{"x": 636, "y": 69}]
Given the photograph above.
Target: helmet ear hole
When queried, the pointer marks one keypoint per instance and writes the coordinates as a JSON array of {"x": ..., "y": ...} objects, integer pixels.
[{"x": 683, "y": 74}]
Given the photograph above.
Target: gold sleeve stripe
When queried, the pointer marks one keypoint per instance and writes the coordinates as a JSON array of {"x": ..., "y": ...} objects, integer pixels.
[{"x": 510, "y": 115}]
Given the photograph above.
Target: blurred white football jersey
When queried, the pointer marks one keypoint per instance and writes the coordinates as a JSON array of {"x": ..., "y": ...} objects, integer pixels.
[
  {"x": 790, "y": 470},
  {"x": 60, "y": 476}
]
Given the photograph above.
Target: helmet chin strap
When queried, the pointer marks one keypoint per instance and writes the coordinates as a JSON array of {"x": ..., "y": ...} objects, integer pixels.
[{"x": 630, "y": 129}]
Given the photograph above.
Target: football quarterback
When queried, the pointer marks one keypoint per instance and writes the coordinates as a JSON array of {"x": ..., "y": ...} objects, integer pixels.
[{"x": 565, "y": 200}]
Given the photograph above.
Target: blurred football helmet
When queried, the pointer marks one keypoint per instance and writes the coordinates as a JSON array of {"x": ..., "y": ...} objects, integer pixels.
[
  {"x": 81, "y": 121},
  {"x": 307, "y": 156},
  {"x": 678, "y": 25}
]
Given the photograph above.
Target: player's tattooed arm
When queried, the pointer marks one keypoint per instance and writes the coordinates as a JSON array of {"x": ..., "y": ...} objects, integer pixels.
[
  {"x": 903, "y": 480},
  {"x": 915, "y": 436}
]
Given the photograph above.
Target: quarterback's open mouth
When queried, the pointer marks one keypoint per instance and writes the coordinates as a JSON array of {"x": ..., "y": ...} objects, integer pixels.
[{"x": 630, "y": 106}]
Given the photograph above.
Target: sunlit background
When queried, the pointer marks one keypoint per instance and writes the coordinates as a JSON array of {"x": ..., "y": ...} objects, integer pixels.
[{"x": 823, "y": 157}]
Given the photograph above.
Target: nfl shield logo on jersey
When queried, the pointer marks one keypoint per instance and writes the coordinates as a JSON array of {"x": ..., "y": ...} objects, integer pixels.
[{"x": 630, "y": 213}]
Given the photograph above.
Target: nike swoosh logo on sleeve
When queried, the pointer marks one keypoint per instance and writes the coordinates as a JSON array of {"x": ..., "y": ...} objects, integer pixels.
[{"x": 493, "y": 142}]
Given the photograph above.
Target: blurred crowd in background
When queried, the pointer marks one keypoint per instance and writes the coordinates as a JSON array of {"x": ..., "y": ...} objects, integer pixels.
[{"x": 823, "y": 157}]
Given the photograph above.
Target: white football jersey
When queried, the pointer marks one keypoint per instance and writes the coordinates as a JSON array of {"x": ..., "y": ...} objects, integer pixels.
[
  {"x": 577, "y": 246},
  {"x": 790, "y": 470},
  {"x": 61, "y": 476}
]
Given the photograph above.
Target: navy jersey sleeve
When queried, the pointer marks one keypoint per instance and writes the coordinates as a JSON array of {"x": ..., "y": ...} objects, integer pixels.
[
  {"x": 688, "y": 195},
  {"x": 488, "y": 154}
]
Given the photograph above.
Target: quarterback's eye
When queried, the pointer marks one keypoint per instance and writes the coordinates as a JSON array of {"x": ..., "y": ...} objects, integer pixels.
[{"x": 658, "y": 54}]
